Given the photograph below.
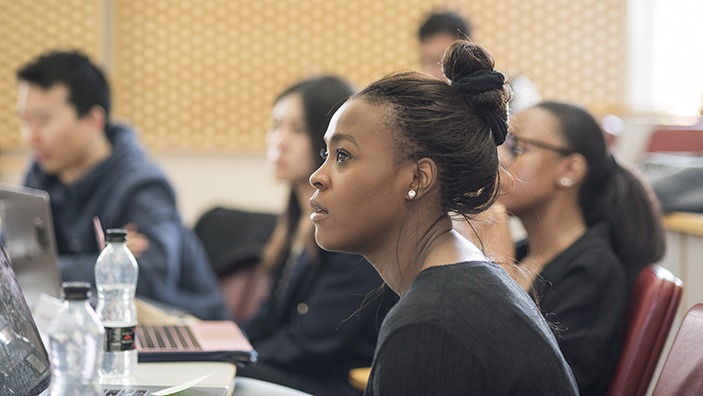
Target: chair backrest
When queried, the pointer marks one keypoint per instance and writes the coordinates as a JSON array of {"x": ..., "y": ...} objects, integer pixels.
[
  {"x": 675, "y": 140},
  {"x": 233, "y": 237},
  {"x": 653, "y": 303},
  {"x": 682, "y": 373}
]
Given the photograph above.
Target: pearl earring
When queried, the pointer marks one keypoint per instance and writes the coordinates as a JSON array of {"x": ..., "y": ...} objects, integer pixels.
[
  {"x": 411, "y": 194},
  {"x": 566, "y": 182}
]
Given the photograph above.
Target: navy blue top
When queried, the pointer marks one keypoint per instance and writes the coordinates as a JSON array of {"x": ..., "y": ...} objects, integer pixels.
[
  {"x": 321, "y": 320},
  {"x": 128, "y": 188}
]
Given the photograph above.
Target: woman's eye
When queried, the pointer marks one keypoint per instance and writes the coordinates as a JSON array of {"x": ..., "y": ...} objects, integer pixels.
[
  {"x": 342, "y": 156},
  {"x": 516, "y": 149},
  {"x": 324, "y": 154}
]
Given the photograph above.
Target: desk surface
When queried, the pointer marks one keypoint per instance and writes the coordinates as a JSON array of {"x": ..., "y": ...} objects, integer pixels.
[
  {"x": 683, "y": 222},
  {"x": 173, "y": 373},
  {"x": 358, "y": 377}
]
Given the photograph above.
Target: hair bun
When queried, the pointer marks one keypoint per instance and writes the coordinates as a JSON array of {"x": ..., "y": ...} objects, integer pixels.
[{"x": 469, "y": 67}]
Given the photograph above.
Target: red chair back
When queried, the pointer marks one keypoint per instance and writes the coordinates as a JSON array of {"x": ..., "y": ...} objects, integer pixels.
[
  {"x": 682, "y": 373},
  {"x": 675, "y": 140},
  {"x": 653, "y": 303}
]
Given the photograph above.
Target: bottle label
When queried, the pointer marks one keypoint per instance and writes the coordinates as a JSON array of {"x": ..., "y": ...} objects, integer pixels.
[{"x": 120, "y": 339}]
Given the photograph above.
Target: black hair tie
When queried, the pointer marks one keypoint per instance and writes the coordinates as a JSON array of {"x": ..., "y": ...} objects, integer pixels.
[
  {"x": 479, "y": 82},
  {"x": 498, "y": 125}
]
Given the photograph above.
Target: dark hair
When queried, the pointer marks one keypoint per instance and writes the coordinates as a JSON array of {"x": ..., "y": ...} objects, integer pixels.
[
  {"x": 321, "y": 97},
  {"x": 611, "y": 192},
  {"x": 445, "y": 22},
  {"x": 454, "y": 127},
  {"x": 86, "y": 83}
]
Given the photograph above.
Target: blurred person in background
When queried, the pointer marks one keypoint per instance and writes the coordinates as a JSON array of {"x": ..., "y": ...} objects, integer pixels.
[
  {"x": 321, "y": 318},
  {"x": 439, "y": 30},
  {"x": 99, "y": 177},
  {"x": 591, "y": 224}
]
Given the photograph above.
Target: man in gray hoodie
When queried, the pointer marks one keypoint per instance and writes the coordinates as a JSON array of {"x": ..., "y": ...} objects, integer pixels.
[{"x": 95, "y": 170}]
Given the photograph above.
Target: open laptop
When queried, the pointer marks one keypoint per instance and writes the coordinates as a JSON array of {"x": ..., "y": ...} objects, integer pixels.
[
  {"x": 29, "y": 237},
  {"x": 25, "y": 368},
  {"x": 205, "y": 340},
  {"x": 27, "y": 231}
]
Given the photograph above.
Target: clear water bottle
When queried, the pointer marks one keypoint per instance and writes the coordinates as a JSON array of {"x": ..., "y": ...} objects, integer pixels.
[
  {"x": 116, "y": 274},
  {"x": 76, "y": 344}
]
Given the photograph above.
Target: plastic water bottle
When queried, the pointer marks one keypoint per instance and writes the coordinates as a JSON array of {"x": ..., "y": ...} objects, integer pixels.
[
  {"x": 116, "y": 274},
  {"x": 75, "y": 343}
]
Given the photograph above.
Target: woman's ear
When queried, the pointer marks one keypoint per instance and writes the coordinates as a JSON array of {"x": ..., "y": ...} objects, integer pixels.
[
  {"x": 425, "y": 176},
  {"x": 573, "y": 171}
]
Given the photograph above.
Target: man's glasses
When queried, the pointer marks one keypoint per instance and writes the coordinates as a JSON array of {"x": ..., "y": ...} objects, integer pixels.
[{"x": 516, "y": 146}]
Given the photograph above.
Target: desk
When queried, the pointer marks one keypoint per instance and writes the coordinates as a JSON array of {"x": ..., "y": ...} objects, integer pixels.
[
  {"x": 173, "y": 373},
  {"x": 359, "y": 377},
  {"x": 253, "y": 387},
  {"x": 684, "y": 258},
  {"x": 684, "y": 254}
]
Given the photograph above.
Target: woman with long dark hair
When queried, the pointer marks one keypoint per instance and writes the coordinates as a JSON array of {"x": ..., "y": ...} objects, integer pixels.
[
  {"x": 591, "y": 226},
  {"x": 321, "y": 318}
]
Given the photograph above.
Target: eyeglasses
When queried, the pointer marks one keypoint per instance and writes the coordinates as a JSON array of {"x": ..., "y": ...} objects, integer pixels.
[{"x": 516, "y": 146}]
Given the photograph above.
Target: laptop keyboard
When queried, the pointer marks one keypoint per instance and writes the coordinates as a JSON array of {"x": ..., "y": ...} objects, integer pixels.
[
  {"x": 125, "y": 392},
  {"x": 171, "y": 337}
]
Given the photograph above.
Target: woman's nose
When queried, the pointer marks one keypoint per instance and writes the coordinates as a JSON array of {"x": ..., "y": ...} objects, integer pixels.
[
  {"x": 318, "y": 179},
  {"x": 277, "y": 137}
]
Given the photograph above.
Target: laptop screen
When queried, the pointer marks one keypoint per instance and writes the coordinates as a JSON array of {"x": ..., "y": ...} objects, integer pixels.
[
  {"x": 27, "y": 232},
  {"x": 25, "y": 367}
]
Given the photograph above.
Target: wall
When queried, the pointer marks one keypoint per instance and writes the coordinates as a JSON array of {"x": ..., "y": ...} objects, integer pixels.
[
  {"x": 198, "y": 78},
  {"x": 202, "y": 181}
]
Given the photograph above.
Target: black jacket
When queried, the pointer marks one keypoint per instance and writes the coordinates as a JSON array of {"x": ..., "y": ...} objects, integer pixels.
[{"x": 323, "y": 322}]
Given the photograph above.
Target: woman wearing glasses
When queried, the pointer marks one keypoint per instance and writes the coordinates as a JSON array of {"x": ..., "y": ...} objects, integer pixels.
[{"x": 591, "y": 225}]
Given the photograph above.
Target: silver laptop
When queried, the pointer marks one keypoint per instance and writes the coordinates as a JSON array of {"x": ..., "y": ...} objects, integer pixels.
[
  {"x": 25, "y": 368},
  {"x": 26, "y": 224},
  {"x": 204, "y": 340},
  {"x": 27, "y": 231}
]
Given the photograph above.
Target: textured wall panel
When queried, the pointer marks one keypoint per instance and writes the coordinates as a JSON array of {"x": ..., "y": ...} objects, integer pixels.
[
  {"x": 30, "y": 27},
  {"x": 572, "y": 50},
  {"x": 203, "y": 75}
]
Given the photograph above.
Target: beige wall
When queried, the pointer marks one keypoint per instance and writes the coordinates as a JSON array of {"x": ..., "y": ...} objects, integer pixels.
[
  {"x": 201, "y": 181},
  {"x": 198, "y": 78},
  {"x": 202, "y": 75}
]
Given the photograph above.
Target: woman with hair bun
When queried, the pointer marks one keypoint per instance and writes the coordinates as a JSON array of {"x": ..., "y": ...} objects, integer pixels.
[
  {"x": 401, "y": 155},
  {"x": 591, "y": 225}
]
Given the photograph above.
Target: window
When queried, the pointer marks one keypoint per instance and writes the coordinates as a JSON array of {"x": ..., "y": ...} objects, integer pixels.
[{"x": 665, "y": 68}]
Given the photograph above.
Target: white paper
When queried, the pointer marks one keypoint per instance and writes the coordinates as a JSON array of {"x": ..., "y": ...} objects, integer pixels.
[{"x": 178, "y": 388}]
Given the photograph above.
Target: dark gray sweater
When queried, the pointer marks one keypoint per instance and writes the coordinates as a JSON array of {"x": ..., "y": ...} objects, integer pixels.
[{"x": 467, "y": 329}]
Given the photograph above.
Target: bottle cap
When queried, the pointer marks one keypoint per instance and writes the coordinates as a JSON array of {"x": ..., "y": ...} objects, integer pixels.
[
  {"x": 76, "y": 290},
  {"x": 116, "y": 235}
]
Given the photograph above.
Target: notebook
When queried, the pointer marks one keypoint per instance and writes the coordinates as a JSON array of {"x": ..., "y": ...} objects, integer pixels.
[
  {"x": 29, "y": 237},
  {"x": 26, "y": 369},
  {"x": 27, "y": 231}
]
